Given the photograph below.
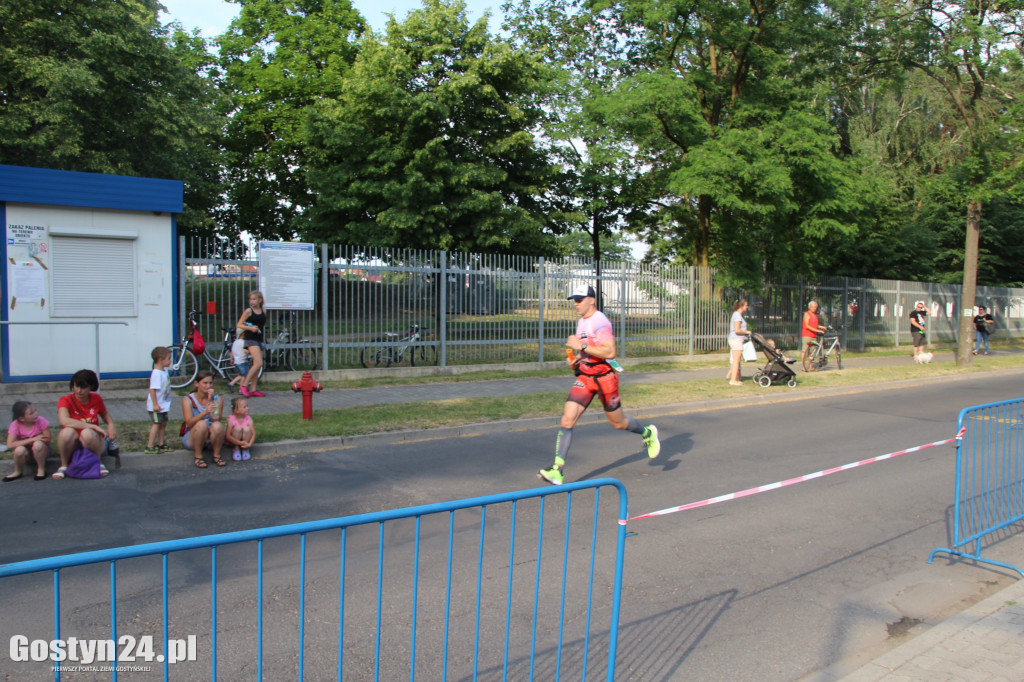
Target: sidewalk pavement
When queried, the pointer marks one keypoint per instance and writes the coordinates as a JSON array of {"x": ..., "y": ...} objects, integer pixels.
[{"x": 985, "y": 642}]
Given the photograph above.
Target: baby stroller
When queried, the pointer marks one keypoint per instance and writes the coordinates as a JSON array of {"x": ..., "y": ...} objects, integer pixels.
[{"x": 775, "y": 371}]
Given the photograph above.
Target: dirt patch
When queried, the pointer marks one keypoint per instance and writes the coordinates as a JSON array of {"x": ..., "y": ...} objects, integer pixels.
[{"x": 902, "y": 626}]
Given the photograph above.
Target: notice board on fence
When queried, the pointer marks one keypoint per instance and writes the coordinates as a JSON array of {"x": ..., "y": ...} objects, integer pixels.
[{"x": 287, "y": 277}]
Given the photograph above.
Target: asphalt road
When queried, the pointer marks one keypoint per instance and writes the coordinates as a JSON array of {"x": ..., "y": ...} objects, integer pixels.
[{"x": 804, "y": 582}]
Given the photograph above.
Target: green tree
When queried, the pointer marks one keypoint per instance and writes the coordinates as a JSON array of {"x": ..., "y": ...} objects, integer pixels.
[
  {"x": 727, "y": 108},
  {"x": 102, "y": 87},
  {"x": 597, "y": 188},
  {"x": 916, "y": 232},
  {"x": 1001, "y": 250},
  {"x": 888, "y": 126},
  {"x": 1000, "y": 240},
  {"x": 198, "y": 158},
  {"x": 972, "y": 51},
  {"x": 614, "y": 246},
  {"x": 278, "y": 57},
  {"x": 431, "y": 142}
]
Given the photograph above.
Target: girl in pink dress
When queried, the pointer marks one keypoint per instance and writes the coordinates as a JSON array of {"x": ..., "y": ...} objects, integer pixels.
[{"x": 241, "y": 431}]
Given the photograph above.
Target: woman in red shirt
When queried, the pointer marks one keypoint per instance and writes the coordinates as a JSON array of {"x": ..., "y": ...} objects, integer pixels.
[{"x": 79, "y": 414}]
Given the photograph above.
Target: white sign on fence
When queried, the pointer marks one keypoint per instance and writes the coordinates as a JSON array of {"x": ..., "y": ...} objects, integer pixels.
[{"x": 286, "y": 275}]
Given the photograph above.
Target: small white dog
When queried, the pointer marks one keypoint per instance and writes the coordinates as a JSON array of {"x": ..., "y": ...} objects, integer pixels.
[{"x": 924, "y": 357}]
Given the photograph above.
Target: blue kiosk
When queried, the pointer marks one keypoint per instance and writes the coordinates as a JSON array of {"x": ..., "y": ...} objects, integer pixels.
[{"x": 91, "y": 272}]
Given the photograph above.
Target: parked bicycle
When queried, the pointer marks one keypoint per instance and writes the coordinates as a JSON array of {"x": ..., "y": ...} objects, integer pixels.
[
  {"x": 224, "y": 362},
  {"x": 825, "y": 345},
  {"x": 185, "y": 363},
  {"x": 393, "y": 348},
  {"x": 287, "y": 350}
]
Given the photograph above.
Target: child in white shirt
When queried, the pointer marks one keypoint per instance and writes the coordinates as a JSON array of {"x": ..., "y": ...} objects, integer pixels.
[
  {"x": 239, "y": 356},
  {"x": 158, "y": 401}
]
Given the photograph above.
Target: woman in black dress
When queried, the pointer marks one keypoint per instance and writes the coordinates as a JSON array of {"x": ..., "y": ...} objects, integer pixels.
[{"x": 251, "y": 324}]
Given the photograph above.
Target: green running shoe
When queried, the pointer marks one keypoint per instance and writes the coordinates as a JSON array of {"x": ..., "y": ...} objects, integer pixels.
[
  {"x": 155, "y": 450},
  {"x": 552, "y": 475},
  {"x": 652, "y": 442}
]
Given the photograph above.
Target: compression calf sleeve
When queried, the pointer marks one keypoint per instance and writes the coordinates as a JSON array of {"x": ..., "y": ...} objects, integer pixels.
[
  {"x": 562, "y": 442},
  {"x": 634, "y": 426}
]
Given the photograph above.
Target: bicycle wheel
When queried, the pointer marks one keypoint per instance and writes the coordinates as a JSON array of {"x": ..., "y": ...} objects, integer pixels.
[
  {"x": 423, "y": 356},
  {"x": 223, "y": 364},
  {"x": 813, "y": 353},
  {"x": 184, "y": 367},
  {"x": 303, "y": 359},
  {"x": 839, "y": 359},
  {"x": 376, "y": 356}
]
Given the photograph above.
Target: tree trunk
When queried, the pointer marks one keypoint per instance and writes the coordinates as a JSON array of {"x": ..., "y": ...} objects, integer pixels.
[
  {"x": 964, "y": 356},
  {"x": 702, "y": 240}
]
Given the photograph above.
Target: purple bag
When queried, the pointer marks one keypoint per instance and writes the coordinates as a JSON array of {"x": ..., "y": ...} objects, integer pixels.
[{"x": 84, "y": 464}]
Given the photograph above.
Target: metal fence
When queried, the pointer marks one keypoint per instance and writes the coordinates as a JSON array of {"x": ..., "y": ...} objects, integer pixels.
[
  {"x": 484, "y": 308},
  {"x": 989, "y": 484},
  {"x": 521, "y": 585}
]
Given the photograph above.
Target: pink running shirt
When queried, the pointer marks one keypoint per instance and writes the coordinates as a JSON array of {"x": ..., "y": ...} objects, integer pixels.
[{"x": 594, "y": 331}]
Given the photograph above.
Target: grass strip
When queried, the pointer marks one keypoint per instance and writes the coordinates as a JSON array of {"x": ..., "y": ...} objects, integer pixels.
[{"x": 439, "y": 413}]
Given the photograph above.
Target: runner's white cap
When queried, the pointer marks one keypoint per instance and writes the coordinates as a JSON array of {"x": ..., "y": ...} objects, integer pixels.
[{"x": 582, "y": 291}]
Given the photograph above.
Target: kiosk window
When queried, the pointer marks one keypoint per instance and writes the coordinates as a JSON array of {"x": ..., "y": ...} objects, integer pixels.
[{"x": 93, "y": 277}]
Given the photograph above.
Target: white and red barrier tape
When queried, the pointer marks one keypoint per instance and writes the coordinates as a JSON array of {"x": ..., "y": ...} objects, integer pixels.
[{"x": 793, "y": 481}]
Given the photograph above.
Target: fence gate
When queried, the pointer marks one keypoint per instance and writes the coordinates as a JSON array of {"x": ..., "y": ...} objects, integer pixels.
[
  {"x": 989, "y": 486},
  {"x": 523, "y": 585}
]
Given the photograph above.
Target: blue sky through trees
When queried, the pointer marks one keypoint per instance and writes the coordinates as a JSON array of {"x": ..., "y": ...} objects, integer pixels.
[{"x": 213, "y": 16}]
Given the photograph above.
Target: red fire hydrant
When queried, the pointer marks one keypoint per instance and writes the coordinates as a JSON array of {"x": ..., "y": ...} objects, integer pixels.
[{"x": 307, "y": 386}]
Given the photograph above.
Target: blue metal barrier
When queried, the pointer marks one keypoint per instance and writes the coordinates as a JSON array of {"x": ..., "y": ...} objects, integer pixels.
[
  {"x": 989, "y": 487},
  {"x": 456, "y": 573}
]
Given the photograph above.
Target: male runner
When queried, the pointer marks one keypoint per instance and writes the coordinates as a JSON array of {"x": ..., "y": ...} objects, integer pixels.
[{"x": 595, "y": 344}]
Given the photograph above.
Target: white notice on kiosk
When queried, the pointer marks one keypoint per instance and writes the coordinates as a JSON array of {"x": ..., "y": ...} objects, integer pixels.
[
  {"x": 29, "y": 282},
  {"x": 286, "y": 275}
]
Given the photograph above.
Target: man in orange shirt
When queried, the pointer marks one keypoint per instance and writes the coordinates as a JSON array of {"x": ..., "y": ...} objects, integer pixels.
[{"x": 809, "y": 331}]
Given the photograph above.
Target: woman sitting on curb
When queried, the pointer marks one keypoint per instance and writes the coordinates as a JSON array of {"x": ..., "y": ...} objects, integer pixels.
[
  {"x": 203, "y": 426},
  {"x": 79, "y": 414}
]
